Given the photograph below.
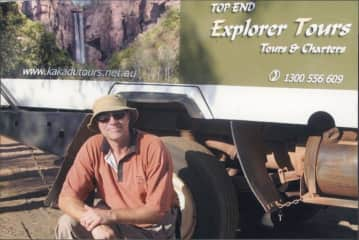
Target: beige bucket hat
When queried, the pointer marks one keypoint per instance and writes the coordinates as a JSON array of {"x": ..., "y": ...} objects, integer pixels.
[{"x": 110, "y": 103}]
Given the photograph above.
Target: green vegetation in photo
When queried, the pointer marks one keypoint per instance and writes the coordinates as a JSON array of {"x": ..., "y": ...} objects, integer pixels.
[
  {"x": 154, "y": 55},
  {"x": 26, "y": 44},
  {"x": 10, "y": 20}
]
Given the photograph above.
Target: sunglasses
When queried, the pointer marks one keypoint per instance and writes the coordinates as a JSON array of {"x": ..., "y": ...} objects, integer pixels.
[{"x": 105, "y": 117}]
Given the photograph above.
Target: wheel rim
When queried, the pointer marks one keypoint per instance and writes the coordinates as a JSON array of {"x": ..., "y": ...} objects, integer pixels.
[{"x": 187, "y": 207}]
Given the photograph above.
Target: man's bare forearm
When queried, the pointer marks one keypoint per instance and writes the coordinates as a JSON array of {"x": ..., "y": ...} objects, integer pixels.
[
  {"x": 142, "y": 215},
  {"x": 72, "y": 206}
]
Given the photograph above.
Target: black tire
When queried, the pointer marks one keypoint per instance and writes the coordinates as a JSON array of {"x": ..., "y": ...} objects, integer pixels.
[{"x": 212, "y": 189}]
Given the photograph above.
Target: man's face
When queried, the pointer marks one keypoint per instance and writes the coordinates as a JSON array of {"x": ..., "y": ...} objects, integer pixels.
[{"x": 114, "y": 126}]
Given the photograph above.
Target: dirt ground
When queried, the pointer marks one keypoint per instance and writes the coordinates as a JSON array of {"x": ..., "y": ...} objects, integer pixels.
[{"x": 26, "y": 175}]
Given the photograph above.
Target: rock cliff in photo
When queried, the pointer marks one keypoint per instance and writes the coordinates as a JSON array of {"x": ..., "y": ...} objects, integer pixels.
[{"x": 92, "y": 30}]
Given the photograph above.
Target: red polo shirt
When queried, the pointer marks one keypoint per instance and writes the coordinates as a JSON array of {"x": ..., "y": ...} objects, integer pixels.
[{"x": 145, "y": 178}]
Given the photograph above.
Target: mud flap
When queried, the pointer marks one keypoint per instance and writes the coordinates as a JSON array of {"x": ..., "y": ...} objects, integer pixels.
[{"x": 248, "y": 140}]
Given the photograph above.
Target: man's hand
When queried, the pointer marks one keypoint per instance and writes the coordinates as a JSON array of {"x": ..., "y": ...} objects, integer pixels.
[
  {"x": 94, "y": 217},
  {"x": 104, "y": 232}
]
